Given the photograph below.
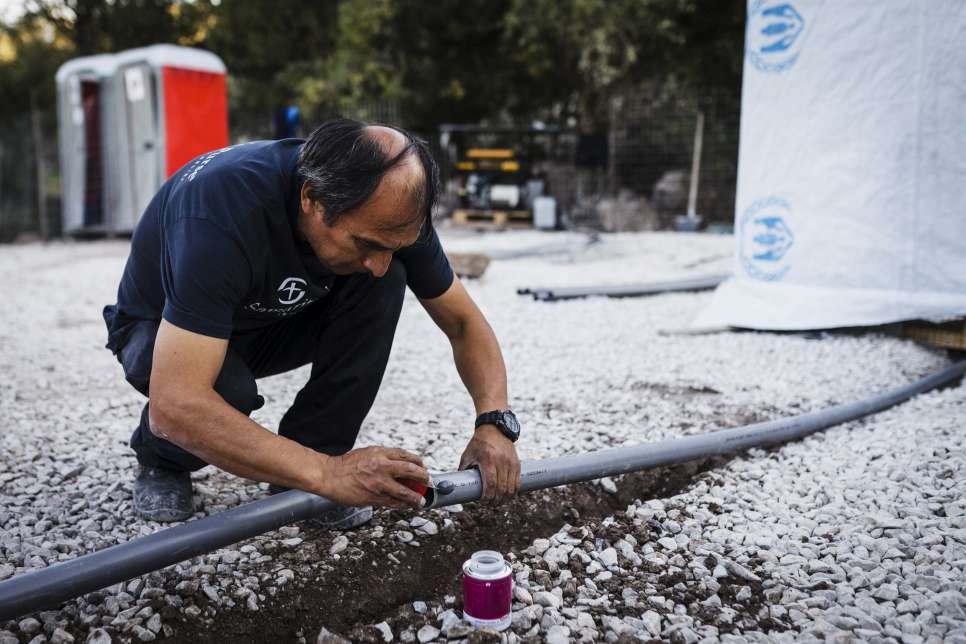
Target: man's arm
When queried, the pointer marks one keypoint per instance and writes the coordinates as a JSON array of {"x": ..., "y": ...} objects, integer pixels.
[
  {"x": 480, "y": 365},
  {"x": 187, "y": 411}
]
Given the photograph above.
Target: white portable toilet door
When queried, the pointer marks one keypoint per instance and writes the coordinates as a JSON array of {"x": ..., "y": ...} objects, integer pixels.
[
  {"x": 140, "y": 121},
  {"x": 84, "y": 162},
  {"x": 74, "y": 154}
]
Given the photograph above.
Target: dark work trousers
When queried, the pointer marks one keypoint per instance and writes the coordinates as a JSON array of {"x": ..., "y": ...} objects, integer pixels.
[{"x": 346, "y": 336}]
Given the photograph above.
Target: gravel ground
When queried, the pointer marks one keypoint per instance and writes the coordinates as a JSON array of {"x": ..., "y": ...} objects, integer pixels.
[{"x": 857, "y": 533}]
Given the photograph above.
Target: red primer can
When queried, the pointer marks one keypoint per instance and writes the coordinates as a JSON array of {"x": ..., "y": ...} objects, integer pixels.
[
  {"x": 415, "y": 486},
  {"x": 487, "y": 590}
]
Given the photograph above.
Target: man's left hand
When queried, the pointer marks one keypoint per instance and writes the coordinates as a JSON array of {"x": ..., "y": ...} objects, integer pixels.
[{"x": 496, "y": 457}]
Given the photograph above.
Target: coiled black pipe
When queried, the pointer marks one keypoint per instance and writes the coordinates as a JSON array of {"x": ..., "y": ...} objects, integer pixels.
[{"x": 63, "y": 581}]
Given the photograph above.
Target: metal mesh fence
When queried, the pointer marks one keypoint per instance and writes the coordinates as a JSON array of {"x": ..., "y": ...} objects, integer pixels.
[
  {"x": 640, "y": 177},
  {"x": 639, "y": 167},
  {"x": 20, "y": 192}
]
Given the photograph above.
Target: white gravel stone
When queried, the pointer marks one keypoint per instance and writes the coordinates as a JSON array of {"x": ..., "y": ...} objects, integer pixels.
[
  {"x": 668, "y": 543},
  {"x": 457, "y": 629},
  {"x": 548, "y": 599},
  {"x": 427, "y": 633},
  {"x": 98, "y": 636},
  {"x": 60, "y": 636},
  {"x": 652, "y": 622},
  {"x": 540, "y": 546},
  {"x": 886, "y": 592},
  {"x": 558, "y": 634},
  {"x": 339, "y": 544},
  {"x": 840, "y": 517},
  {"x": 429, "y": 527},
  {"x": 154, "y": 624},
  {"x": 326, "y": 636},
  {"x": 522, "y": 595},
  {"x": 555, "y": 555},
  {"x": 386, "y": 631},
  {"x": 586, "y": 620},
  {"x": 608, "y": 557}
]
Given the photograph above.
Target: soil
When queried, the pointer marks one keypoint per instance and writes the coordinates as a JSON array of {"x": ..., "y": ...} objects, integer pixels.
[{"x": 367, "y": 587}]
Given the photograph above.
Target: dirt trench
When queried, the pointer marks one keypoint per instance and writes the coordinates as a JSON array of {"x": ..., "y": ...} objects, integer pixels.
[{"x": 366, "y": 587}]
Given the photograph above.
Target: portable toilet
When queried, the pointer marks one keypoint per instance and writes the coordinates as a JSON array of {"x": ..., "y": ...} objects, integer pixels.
[
  {"x": 128, "y": 121},
  {"x": 172, "y": 106},
  {"x": 83, "y": 107}
]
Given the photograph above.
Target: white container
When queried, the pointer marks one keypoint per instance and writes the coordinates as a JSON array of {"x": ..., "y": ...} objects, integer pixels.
[{"x": 545, "y": 213}]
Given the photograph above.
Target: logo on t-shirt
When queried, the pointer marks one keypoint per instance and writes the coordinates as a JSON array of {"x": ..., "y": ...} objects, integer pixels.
[{"x": 291, "y": 290}]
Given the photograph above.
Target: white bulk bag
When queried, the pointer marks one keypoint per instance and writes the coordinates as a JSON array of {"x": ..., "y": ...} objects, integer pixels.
[{"x": 851, "y": 197}]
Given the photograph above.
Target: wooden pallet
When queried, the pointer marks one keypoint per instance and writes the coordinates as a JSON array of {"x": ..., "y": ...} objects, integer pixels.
[
  {"x": 948, "y": 335},
  {"x": 494, "y": 217}
]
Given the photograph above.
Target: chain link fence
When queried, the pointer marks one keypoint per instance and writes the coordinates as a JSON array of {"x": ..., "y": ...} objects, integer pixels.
[
  {"x": 634, "y": 176},
  {"x": 29, "y": 181}
]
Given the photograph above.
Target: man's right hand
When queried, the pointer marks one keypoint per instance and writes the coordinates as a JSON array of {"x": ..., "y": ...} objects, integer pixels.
[{"x": 369, "y": 476}]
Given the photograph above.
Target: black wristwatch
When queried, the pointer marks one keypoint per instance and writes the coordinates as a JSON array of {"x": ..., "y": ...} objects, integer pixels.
[{"x": 505, "y": 421}]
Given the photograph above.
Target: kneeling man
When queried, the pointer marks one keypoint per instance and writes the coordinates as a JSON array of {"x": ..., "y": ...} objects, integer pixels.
[{"x": 263, "y": 257}]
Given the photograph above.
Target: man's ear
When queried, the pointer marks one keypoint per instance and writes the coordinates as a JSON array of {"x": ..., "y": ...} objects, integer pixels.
[{"x": 309, "y": 205}]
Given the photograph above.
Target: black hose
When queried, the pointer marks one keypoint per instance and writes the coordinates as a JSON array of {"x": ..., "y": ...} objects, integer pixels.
[
  {"x": 63, "y": 581},
  {"x": 553, "y": 294}
]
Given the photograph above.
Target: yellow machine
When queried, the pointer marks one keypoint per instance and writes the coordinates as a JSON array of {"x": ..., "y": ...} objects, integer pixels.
[{"x": 491, "y": 172}]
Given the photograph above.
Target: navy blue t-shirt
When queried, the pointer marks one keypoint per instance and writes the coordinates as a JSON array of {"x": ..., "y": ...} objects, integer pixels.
[{"x": 216, "y": 253}]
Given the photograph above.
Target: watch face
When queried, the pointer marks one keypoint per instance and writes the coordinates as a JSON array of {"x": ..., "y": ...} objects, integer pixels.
[{"x": 511, "y": 423}]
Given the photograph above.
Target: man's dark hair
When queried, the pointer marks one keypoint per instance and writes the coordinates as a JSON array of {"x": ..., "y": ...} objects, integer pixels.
[{"x": 343, "y": 166}]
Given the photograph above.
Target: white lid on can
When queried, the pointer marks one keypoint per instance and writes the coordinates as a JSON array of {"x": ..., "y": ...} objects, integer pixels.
[{"x": 486, "y": 564}]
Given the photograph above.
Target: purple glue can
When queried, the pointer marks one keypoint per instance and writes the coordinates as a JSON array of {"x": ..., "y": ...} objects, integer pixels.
[{"x": 487, "y": 590}]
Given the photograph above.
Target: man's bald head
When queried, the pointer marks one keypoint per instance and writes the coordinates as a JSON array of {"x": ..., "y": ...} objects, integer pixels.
[
  {"x": 406, "y": 179},
  {"x": 345, "y": 162}
]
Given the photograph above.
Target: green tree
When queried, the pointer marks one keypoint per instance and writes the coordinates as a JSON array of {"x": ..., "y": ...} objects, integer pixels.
[
  {"x": 266, "y": 43},
  {"x": 575, "y": 55},
  {"x": 439, "y": 62},
  {"x": 52, "y": 31},
  {"x": 96, "y": 26}
]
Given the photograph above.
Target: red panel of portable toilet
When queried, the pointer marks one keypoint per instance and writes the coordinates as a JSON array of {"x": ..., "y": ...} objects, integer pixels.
[{"x": 195, "y": 114}]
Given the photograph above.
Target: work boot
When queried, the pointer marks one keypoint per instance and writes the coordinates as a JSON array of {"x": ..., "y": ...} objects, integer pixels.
[
  {"x": 163, "y": 495},
  {"x": 341, "y": 517}
]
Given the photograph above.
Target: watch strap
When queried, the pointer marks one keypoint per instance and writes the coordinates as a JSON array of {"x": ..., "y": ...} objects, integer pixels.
[
  {"x": 489, "y": 417},
  {"x": 504, "y": 420}
]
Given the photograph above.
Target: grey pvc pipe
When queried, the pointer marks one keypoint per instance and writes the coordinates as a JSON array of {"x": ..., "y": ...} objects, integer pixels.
[
  {"x": 537, "y": 475},
  {"x": 625, "y": 290},
  {"x": 63, "y": 581}
]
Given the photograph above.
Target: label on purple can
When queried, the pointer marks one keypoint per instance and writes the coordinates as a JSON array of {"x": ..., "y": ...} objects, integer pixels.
[{"x": 487, "y": 590}]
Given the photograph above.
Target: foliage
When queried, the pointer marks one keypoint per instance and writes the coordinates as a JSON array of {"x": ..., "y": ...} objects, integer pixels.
[
  {"x": 559, "y": 61},
  {"x": 52, "y": 31},
  {"x": 263, "y": 41}
]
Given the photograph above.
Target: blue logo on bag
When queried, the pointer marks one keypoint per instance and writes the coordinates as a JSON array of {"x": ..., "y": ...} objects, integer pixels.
[
  {"x": 774, "y": 40},
  {"x": 764, "y": 239}
]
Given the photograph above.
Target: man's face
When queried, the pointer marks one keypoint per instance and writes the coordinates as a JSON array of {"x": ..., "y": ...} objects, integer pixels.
[{"x": 365, "y": 239}]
